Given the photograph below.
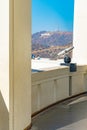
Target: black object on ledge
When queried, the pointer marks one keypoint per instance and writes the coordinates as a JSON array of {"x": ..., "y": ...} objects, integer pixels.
[{"x": 72, "y": 66}]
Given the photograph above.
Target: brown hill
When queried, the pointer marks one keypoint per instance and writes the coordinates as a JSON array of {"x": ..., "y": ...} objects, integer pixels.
[{"x": 47, "y": 44}]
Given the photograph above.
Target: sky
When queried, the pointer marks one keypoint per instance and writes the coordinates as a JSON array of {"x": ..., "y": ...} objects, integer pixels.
[{"x": 52, "y": 15}]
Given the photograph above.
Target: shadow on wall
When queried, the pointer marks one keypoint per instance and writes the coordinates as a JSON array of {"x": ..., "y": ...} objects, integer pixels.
[{"x": 4, "y": 115}]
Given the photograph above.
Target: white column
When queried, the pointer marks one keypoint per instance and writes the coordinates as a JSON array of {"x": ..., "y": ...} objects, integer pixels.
[
  {"x": 20, "y": 64},
  {"x": 80, "y": 32}
]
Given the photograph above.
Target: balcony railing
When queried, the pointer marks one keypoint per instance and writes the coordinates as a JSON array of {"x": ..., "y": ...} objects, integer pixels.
[{"x": 51, "y": 86}]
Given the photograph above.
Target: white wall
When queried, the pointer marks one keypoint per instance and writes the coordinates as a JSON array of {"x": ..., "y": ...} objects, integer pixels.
[
  {"x": 4, "y": 64},
  {"x": 15, "y": 64},
  {"x": 4, "y": 50},
  {"x": 80, "y": 32}
]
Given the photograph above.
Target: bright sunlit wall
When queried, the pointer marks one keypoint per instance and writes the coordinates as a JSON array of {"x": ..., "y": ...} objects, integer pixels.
[{"x": 80, "y": 32}]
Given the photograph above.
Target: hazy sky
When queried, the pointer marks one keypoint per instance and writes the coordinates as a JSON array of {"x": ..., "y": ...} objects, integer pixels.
[{"x": 52, "y": 15}]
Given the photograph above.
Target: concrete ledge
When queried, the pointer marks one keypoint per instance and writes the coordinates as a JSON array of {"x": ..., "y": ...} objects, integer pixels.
[{"x": 55, "y": 85}]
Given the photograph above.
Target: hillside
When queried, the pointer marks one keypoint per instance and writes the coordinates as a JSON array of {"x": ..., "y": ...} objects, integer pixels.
[{"x": 47, "y": 44}]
